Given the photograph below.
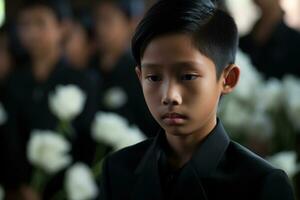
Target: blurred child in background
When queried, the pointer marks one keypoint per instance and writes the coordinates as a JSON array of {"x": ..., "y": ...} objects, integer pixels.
[
  {"x": 41, "y": 33},
  {"x": 114, "y": 64}
]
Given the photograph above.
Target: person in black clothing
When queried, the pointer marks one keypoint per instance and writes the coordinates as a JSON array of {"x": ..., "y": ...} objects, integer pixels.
[
  {"x": 185, "y": 52},
  {"x": 113, "y": 63},
  {"x": 272, "y": 46},
  {"x": 28, "y": 96}
]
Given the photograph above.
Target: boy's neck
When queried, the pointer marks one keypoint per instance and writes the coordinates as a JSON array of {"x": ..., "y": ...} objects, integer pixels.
[
  {"x": 43, "y": 63},
  {"x": 183, "y": 147}
]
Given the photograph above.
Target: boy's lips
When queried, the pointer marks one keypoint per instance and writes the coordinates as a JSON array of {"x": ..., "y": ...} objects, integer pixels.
[{"x": 173, "y": 118}]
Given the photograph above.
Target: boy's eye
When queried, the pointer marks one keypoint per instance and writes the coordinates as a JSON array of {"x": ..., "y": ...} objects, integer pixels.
[
  {"x": 153, "y": 78},
  {"x": 188, "y": 77}
]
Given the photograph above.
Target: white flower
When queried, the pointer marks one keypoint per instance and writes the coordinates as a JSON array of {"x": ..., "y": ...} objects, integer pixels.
[
  {"x": 260, "y": 126},
  {"x": 2, "y": 194},
  {"x": 108, "y": 127},
  {"x": 115, "y": 98},
  {"x": 291, "y": 87},
  {"x": 234, "y": 114},
  {"x": 48, "y": 150},
  {"x": 245, "y": 119},
  {"x": 133, "y": 136},
  {"x": 67, "y": 102},
  {"x": 249, "y": 80},
  {"x": 3, "y": 116},
  {"x": 286, "y": 160},
  {"x": 269, "y": 95},
  {"x": 79, "y": 183},
  {"x": 113, "y": 130}
]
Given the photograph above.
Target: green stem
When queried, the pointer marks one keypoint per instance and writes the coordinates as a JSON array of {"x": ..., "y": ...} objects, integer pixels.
[
  {"x": 65, "y": 128},
  {"x": 98, "y": 160},
  {"x": 97, "y": 169},
  {"x": 38, "y": 180}
]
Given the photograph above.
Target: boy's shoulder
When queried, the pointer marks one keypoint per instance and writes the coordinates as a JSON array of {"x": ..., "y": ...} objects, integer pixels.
[
  {"x": 243, "y": 161},
  {"x": 129, "y": 157}
]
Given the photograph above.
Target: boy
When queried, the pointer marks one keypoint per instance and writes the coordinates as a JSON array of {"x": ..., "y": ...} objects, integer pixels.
[{"x": 185, "y": 53}]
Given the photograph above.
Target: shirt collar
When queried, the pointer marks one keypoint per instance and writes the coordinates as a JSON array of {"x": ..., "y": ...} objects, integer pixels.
[{"x": 207, "y": 156}]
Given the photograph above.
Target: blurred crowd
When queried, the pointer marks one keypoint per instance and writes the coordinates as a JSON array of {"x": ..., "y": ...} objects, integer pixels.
[{"x": 44, "y": 44}]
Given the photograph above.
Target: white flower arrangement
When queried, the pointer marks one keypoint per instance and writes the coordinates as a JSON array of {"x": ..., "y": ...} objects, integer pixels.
[
  {"x": 48, "y": 151},
  {"x": 255, "y": 105},
  {"x": 291, "y": 87},
  {"x": 3, "y": 115},
  {"x": 67, "y": 102},
  {"x": 79, "y": 183},
  {"x": 2, "y": 193},
  {"x": 287, "y": 161},
  {"x": 115, "y": 98},
  {"x": 113, "y": 130}
]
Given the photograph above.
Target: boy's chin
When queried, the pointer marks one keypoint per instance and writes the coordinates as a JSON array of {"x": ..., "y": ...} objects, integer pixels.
[{"x": 177, "y": 131}]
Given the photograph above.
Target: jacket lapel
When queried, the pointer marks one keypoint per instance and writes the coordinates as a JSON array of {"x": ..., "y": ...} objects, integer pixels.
[
  {"x": 202, "y": 165},
  {"x": 189, "y": 185},
  {"x": 147, "y": 186}
]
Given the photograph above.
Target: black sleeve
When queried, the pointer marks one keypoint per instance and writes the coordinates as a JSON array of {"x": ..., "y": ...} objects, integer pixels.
[{"x": 276, "y": 186}]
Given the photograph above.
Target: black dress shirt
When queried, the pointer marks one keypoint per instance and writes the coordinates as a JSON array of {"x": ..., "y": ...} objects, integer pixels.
[{"x": 219, "y": 169}]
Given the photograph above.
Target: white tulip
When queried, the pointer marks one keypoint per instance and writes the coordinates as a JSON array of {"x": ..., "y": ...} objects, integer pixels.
[
  {"x": 234, "y": 114},
  {"x": 286, "y": 160},
  {"x": 3, "y": 115},
  {"x": 113, "y": 130},
  {"x": 2, "y": 193},
  {"x": 269, "y": 95},
  {"x": 249, "y": 80},
  {"x": 291, "y": 96},
  {"x": 48, "y": 151},
  {"x": 79, "y": 183},
  {"x": 260, "y": 126},
  {"x": 115, "y": 98},
  {"x": 133, "y": 136},
  {"x": 67, "y": 102}
]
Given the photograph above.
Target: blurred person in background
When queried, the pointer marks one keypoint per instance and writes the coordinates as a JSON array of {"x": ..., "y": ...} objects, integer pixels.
[
  {"x": 272, "y": 46},
  {"x": 113, "y": 63},
  {"x": 40, "y": 31},
  {"x": 79, "y": 44}
]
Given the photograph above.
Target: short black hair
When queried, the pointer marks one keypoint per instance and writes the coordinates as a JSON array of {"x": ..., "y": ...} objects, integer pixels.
[
  {"x": 29, "y": 4},
  {"x": 213, "y": 31}
]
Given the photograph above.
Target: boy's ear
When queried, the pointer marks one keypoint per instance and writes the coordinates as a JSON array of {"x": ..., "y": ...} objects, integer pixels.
[
  {"x": 230, "y": 78},
  {"x": 138, "y": 73}
]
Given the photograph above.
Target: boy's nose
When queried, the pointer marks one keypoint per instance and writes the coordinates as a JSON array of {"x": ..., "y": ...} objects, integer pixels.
[{"x": 171, "y": 95}]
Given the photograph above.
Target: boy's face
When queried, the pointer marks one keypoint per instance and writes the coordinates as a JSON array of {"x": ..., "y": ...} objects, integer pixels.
[
  {"x": 39, "y": 29},
  {"x": 180, "y": 85}
]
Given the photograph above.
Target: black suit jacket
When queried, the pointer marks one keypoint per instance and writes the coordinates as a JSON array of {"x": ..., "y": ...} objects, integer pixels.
[{"x": 219, "y": 169}]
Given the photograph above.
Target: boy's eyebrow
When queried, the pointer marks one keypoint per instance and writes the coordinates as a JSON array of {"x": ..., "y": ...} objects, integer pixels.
[{"x": 176, "y": 64}]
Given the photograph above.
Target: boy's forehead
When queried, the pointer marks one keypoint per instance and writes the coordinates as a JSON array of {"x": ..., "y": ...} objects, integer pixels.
[{"x": 175, "y": 50}]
